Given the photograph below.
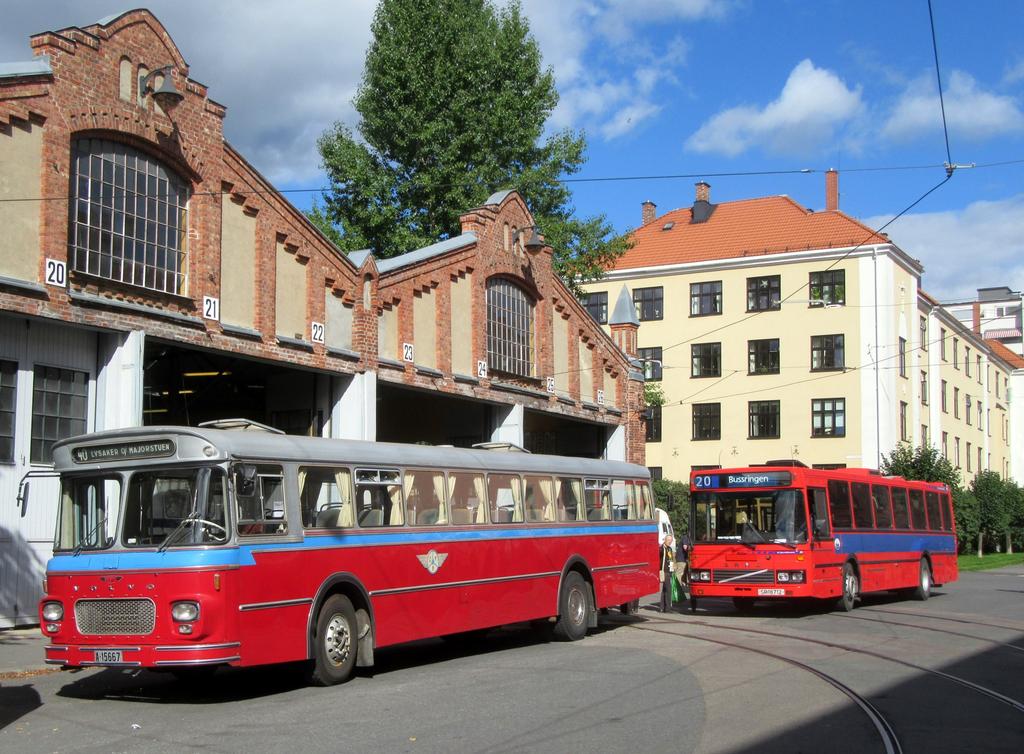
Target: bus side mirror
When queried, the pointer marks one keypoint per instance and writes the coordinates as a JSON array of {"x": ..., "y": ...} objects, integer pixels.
[
  {"x": 23, "y": 491},
  {"x": 245, "y": 479}
]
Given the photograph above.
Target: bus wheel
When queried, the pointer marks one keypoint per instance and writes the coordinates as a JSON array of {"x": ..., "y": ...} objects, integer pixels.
[
  {"x": 573, "y": 608},
  {"x": 336, "y": 642},
  {"x": 850, "y": 587},
  {"x": 630, "y": 608},
  {"x": 924, "y": 582},
  {"x": 743, "y": 604}
]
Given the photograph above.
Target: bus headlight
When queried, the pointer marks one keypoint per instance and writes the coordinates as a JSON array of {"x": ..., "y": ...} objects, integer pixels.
[
  {"x": 52, "y": 611},
  {"x": 783, "y": 577},
  {"x": 185, "y": 612},
  {"x": 793, "y": 577},
  {"x": 702, "y": 575}
]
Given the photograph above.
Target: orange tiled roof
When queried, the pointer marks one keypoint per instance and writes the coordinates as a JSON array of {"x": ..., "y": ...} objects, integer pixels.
[
  {"x": 1004, "y": 353},
  {"x": 749, "y": 227}
]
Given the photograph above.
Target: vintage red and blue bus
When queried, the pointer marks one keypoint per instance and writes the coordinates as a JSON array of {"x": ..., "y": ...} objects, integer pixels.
[
  {"x": 783, "y": 531},
  {"x": 181, "y": 547}
]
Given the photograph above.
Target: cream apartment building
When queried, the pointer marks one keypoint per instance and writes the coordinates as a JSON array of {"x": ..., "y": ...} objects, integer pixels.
[{"x": 777, "y": 332}]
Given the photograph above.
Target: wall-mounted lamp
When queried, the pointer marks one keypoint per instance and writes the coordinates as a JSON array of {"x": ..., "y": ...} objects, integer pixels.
[
  {"x": 534, "y": 244},
  {"x": 167, "y": 96}
]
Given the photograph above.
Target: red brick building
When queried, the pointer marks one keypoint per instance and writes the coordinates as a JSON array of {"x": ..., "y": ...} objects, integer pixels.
[{"x": 150, "y": 275}]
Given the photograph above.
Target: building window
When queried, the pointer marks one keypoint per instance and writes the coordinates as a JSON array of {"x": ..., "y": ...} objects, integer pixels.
[
  {"x": 967, "y": 408},
  {"x": 969, "y": 457},
  {"x": 956, "y": 403},
  {"x": 597, "y": 306},
  {"x": 988, "y": 421},
  {"x": 763, "y": 356},
  {"x": 707, "y": 421},
  {"x": 706, "y": 360},
  {"x": 828, "y": 288},
  {"x": 924, "y": 435},
  {"x": 60, "y": 399},
  {"x": 956, "y": 451},
  {"x": 648, "y": 303},
  {"x": 924, "y": 333},
  {"x": 924, "y": 388},
  {"x": 828, "y": 417},
  {"x": 945, "y": 445},
  {"x": 651, "y": 357},
  {"x": 129, "y": 218},
  {"x": 827, "y": 352},
  {"x": 942, "y": 343},
  {"x": 656, "y": 473},
  {"x": 764, "y": 293},
  {"x": 977, "y": 363},
  {"x": 903, "y": 422},
  {"x": 978, "y": 404},
  {"x": 8, "y": 395},
  {"x": 705, "y": 298},
  {"x": 956, "y": 353},
  {"x": 967, "y": 360},
  {"x": 764, "y": 419},
  {"x": 654, "y": 424},
  {"x": 943, "y": 398},
  {"x": 996, "y": 380},
  {"x": 903, "y": 357},
  {"x": 510, "y": 341}
]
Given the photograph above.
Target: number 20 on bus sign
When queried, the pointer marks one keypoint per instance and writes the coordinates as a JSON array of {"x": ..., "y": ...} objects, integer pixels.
[{"x": 705, "y": 481}]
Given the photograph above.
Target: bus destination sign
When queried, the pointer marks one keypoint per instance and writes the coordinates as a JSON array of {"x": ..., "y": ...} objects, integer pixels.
[
  {"x": 125, "y": 451},
  {"x": 744, "y": 479}
]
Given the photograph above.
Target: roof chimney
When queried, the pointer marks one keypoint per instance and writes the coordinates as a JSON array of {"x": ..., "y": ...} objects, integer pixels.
[
  {"x": 703, "y": 191},
  {"x": 832, "y": 189},
  {"x": 647, "y": 212},
  {"x": 702, "y": 207}
]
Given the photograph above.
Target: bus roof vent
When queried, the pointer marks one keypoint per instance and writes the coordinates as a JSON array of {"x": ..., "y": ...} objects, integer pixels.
[
  {"x": 240, "y": 425},
  {"x": 506, "y": 447},
  {"x": 791, "y": 462}
]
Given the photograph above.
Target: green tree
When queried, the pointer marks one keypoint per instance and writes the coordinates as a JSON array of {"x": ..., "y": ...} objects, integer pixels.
[
  {"x": 968, "y": 523},
  {"x": 452, "y": 105},
  {"x": 923, "y": 463},
  {"x": 997, "y": 506},
  {"x": 674, "y": 498}
]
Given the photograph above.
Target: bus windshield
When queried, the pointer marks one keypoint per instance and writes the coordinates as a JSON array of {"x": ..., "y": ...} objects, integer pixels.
[
  {"x": 175, "y": 508},
  {"x": 750, "y": 517}
]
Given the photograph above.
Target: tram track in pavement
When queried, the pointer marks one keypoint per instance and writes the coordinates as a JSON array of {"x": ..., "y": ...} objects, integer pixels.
[
  {"x": 978, "y": 688},
  {"x": 882, "y": 726},
  {"x": 934, "y": 629},
  {"x": 937, "y": 616}
]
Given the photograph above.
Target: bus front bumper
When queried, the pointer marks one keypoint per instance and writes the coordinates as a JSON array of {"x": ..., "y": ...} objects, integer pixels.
[
  {"x": 755, "y": 591},
  {"x": 119, "y": 654}
]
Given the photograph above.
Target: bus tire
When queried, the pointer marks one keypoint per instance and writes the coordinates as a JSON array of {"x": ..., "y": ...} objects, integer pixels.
[
  {"x": 851, "y": 587},
  {"x": 743, "y": 604},
  {"x": 336, "y": 644},
  {"x": 923, "y": 590},
  {"x": 573, "y": 608},
  {"x": 630, "y": 608}
]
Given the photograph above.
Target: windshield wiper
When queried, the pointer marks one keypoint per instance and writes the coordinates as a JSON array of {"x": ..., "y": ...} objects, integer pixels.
[
  {"x": 193, "y": 516},
  {"x": 95, "y": 530}
]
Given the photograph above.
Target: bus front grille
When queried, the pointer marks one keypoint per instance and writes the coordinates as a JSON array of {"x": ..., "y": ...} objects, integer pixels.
[
  {"x": 134, "y": 617},
  {"x": 743, "y": 576}
]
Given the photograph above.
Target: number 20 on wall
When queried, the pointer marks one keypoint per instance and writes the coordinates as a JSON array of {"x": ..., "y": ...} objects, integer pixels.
[{"x": 56, "y": 273}]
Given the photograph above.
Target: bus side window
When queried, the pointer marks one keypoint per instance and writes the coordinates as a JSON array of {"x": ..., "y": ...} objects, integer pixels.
[
  {"x": 379, "y": 497},
  {"x": 934, "y": 517},
  {"x": 819, "y": 513},
  {"x": 326, "y": 498},
  {"x": 839, "y": 503},
  {"x": 862, "y": 506},
  {"x": 947, "y": 511},
  {"x": 506, "y": 498},
  {"x": 917, "y": 510},
  {"x": 539, "y": 500},
  {"x": 569, "y": 498},
  {"x": 900, "y": 517},
  {"x": 645, "y": 501},
  {"x": 424, "y": 498},
  {"x": 597, "y": 499},
  {"x": 883, "y": 507},
  {"x": 620, "y": 501},
  {"x": 260, "y": 499},
  {"x": 467, "y": 494}
]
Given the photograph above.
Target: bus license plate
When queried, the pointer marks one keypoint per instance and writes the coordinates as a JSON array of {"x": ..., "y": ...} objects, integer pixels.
[
  {"x": 108, "y": 656},
  {"x": 771, "y": 592}
]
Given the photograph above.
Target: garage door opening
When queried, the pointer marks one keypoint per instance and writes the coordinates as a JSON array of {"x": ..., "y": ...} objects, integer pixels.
[
  {"x": 409, "y": 415},
  {"x": 560, "y": 435}
]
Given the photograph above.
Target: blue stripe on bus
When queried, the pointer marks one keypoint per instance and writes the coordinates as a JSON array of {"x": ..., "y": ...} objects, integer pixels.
[
  {"x": 855, "y": 542},
  {"x": 243, "y": 554}
]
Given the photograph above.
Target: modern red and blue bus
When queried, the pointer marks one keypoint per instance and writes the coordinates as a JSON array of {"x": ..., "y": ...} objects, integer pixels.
[
  {"x": 782, "y": 531},
  {"x": 181, "y": 548}
]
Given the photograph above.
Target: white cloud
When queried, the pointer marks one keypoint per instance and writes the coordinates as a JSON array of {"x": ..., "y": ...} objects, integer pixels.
[
  {"x": 971, "y": 111},
  {"x": 627, "y": 118},
  {"x": 1014, "y": 73},
  {"x": 813, "y": 104},
  {"x": 978, "y": 246}
]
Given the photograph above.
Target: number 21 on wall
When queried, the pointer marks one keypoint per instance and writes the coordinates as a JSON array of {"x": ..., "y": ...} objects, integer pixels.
[{"x": 211, "y": 307}]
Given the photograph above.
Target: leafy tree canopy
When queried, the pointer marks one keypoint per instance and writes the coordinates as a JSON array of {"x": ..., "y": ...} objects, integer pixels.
[
  {"x": 923, "y": 463},
  {"x": 453, "y": 106}
]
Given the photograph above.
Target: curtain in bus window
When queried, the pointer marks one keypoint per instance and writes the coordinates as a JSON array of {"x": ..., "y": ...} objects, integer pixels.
[
  {"x": 465, "y": 493},
  {"x": 839, "y": 504},
  {"x": 861, "y": 506},
  {"x": 917, "y": 510},
  {"x": 547, "y": 488},
  {"x": 343, "y": 487},
  {"x": 480, "y": 509},
  {"x": 569, "y": 495},
  {"x": 424, "y": 497},
  {"x": 442, "y": 509},
  {"x": 646, "y": 512},
  {"x": 882, "y": 505},
  {"x": 537, "y": 500},
  {"x": 901, "y": 518},
  {"x": 620, "y": 503},
  {"x": 597, "y": 499},
  {"x": 934, "y": 517},
  {"x": 506, "y": 502}
]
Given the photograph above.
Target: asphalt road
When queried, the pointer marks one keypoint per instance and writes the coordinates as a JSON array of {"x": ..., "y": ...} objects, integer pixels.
[{"x": 895, "y": 675}]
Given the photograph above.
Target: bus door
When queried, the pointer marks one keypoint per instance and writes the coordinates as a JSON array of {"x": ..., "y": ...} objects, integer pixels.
[{"x": 821, "y": 532}]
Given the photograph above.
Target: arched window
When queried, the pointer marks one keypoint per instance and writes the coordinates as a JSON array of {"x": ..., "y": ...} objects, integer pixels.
[
  {"x": 129, "y": 217},
  {"x": 510, "y": 339}
]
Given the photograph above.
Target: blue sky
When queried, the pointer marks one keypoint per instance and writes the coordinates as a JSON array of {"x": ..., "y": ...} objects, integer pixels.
[{"x": 666, "y": 87}]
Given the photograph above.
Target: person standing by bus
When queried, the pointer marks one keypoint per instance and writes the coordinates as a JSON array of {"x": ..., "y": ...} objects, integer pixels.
[
  {"x": 666, "y": 546},
  {"x": 682, "y": 569}
]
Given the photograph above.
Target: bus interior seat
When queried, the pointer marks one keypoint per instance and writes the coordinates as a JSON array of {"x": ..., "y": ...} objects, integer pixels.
[
  {"x": 371, "y": 517},
  {"x": 329, "y": 518},
  {"x": 426, "y": 518},
  {"x": 595, "y": 514},
  {"x": 461, "y": 516}
]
